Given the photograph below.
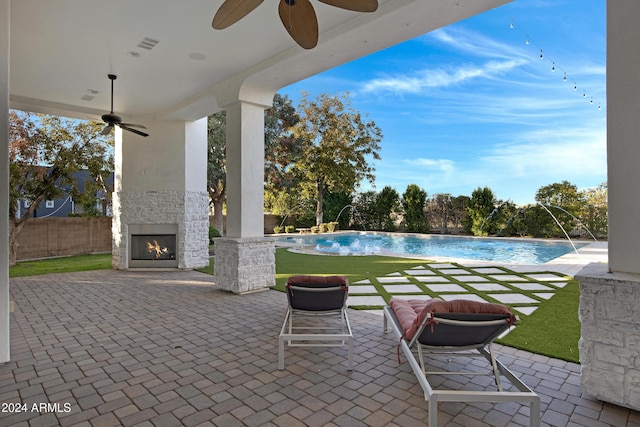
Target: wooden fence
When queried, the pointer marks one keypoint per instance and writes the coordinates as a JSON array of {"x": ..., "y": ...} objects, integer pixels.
[{"x": 51, "y": 237}]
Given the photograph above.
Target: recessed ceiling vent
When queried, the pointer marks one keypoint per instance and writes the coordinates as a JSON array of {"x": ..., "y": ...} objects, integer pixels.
[
  {"x": 148, "y": 43},
  {"x": 90, "y": 95}
]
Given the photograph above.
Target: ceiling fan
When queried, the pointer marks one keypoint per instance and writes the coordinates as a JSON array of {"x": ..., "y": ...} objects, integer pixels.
[
  {"x": 112, "y": 120},
  {"x": 297, "y": 16}
]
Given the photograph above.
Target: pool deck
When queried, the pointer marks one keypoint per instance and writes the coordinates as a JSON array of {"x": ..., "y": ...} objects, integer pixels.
[
  {"x": 168, "y": 348},
  {"x": 569, "y": 264}
]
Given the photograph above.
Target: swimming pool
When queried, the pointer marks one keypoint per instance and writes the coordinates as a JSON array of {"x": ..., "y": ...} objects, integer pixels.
[{"x": 514, "y": 251}]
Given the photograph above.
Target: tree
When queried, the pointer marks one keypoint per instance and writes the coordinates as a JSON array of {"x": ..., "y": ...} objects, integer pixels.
[
  {"x": 459, "y": 211},
  {"x": 338, "y": 206},
  {"x": 281, "y": 150},
  {"x": 564, "y": 202},
  {"x": 480, "y": 206},
  {"x": 414, "y": 201},
  {"x": 44, "y": 154},
  {"x": 594, "y": 213},
  {"x": 364, "y": 210},
  {"x": 217, "y": 165},
  {"x": 387, "y": 203},
  {"x": 338, "y": 145},
  {"x": 562, "y": 194},
  {"x": 440, "y": 211}
]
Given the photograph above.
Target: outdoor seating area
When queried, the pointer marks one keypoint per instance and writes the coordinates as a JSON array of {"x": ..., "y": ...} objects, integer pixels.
[{"x": 169, "y": 348}]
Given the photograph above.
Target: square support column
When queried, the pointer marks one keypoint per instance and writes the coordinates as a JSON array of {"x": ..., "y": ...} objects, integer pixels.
[
  {"x": 245, "y": 260},
  {"x": 245, "y": 264},
  {"x": 610, "y": 295},
  {"x": 5, "y": 304}
]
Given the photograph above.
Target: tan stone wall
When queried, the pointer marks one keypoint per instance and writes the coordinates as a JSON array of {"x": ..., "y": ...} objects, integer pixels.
[{"x": 50, "y": 237}]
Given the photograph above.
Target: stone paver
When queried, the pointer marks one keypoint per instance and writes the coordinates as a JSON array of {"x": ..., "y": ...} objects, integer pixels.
[{"x": 167, "y": 348}]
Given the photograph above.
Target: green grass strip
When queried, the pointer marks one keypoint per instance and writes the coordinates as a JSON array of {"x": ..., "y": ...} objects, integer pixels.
[{"x": 61, "y": 265}]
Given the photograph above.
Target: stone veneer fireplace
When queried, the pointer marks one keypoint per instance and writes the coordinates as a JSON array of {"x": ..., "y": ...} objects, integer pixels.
[{"x": 160, "y": 229}]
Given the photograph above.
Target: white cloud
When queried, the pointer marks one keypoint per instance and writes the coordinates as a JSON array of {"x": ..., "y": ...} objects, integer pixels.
[
  {"x": 442, "y": 165},
  {"x": 475, "y": 44},
  {"x": 439, "y": 77}
]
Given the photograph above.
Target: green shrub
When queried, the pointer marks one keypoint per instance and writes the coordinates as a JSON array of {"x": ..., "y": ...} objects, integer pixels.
[
  {"x": 213, "y": 232},
  {"x": 278, "y": 229},
  {"x": 289, "y": 228}
]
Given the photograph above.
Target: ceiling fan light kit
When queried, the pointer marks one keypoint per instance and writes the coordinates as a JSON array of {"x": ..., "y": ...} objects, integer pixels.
[
  {"x": 297, "y": 16},
  {"x": 112, "y": 120}
]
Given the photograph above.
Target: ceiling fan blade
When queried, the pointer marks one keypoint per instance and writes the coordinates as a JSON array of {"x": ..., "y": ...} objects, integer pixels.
[
  {"x": 107, "y": 129},
  {"x": 232, "y": 11},
  {"x": 300, "y": 21},
  {"x": 355, "y": 5},
  {"x": 133, "y": 125},
  {"x": 133, "y": 130}
]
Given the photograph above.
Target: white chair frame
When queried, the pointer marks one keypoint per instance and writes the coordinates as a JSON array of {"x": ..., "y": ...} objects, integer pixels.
[
  {"x": 433, "y": 396},
  {"x": 296, "y": 335}
]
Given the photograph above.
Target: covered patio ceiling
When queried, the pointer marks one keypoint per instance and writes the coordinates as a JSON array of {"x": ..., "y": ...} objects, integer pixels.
[{"x": 62, "y": 51}]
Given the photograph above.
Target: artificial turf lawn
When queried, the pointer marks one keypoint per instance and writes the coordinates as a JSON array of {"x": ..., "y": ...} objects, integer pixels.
[
  {"x": 355, "y": 268},
  {"x": 553, "y": 329},
  {"x": 61, "y": 265}
]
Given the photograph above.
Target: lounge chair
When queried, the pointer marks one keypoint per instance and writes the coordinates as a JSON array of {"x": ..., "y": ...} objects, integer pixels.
[
  {"x": 456, "y": 328},
  {"x": 316, "y": 315}
]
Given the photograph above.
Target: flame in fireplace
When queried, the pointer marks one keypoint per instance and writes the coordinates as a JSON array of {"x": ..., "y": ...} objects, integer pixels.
[{"x": 157, "y": 249}]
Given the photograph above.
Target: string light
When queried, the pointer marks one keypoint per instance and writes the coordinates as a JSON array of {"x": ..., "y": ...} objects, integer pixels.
[{"x": 554, "y": 66}]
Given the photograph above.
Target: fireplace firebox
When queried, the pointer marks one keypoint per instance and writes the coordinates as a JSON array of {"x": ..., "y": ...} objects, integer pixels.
[{"x": 153, "y": 245}]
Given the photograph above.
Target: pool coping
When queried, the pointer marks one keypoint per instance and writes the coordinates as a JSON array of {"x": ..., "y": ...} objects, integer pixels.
[{"x": 569, "y": 264}]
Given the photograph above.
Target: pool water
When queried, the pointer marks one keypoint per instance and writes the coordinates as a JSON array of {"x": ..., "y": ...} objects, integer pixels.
[{"x": 515, "y": 251}]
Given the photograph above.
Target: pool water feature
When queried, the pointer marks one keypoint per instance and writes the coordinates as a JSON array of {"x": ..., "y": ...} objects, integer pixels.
[{"x": 508, "y": 250}]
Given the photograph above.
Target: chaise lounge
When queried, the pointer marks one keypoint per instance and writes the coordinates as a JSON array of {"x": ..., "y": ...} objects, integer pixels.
[
  {"x": 456, "y": 328},
  {"x": 316, "y": 315}
]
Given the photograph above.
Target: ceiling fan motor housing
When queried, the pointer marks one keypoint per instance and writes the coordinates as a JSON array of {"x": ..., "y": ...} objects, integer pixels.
[{"x": 111, "y": 118}]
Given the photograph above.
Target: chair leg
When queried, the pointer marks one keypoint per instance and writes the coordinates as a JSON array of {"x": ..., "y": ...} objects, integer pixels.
[
  {"x": 494, "y": 365},
  {"x": 287, "y": 320},
  {"x": 280, "y": 354}
]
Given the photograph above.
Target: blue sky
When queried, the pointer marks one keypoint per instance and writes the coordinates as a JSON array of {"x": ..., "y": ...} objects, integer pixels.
[{"x": 474, "y": 105}]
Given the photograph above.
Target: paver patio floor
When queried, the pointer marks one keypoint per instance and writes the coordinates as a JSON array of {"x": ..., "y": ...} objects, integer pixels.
[{"x": 167, "y": 348}]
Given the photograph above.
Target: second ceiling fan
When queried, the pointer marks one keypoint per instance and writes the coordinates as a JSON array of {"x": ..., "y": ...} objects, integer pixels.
[{"x": 297, "y": 16}]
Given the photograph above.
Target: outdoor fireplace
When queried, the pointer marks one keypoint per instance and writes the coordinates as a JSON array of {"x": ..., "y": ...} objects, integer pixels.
[{"x": 153, "y": 245}]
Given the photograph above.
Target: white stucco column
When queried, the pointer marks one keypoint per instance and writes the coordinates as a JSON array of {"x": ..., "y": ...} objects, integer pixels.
[
  {"x": 245, "y": 169},
  {"x": 610, "y": 295},
  {"x": 623, "y": 134},
  {"x": 5, "y": 350},
  {"x": 245, "y": 260},
  {"x": 162, "y": 180}
]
